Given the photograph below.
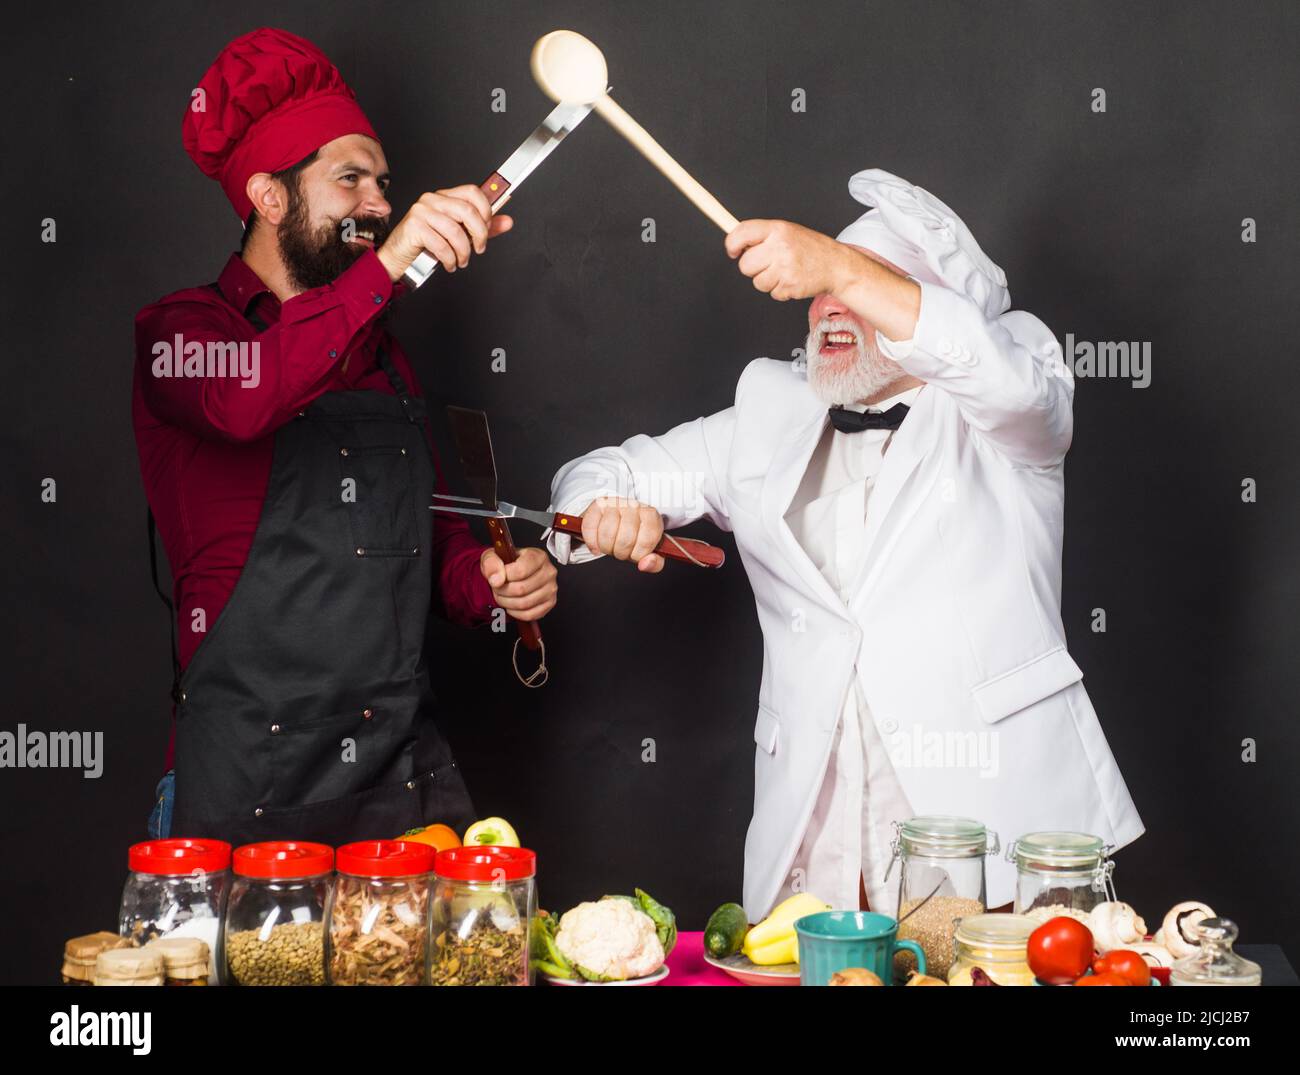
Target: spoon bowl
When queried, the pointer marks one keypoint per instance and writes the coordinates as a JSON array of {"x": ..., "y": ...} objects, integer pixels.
[{"x": 569, "y": 68}]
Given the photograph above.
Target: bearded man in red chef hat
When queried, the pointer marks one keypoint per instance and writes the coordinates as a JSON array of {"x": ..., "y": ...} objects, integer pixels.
[{"x": 287, "y": 459}]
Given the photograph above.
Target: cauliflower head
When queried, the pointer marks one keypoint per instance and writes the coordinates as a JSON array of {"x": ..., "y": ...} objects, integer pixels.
[{"x": 610, "y": 939}]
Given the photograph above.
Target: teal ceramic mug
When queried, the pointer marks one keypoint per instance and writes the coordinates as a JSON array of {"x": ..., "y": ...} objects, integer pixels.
[{"x": 831, "y": 941}]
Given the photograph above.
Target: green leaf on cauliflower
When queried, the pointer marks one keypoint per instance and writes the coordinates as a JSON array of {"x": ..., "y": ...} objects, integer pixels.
[{"x": 663, "y": 918}]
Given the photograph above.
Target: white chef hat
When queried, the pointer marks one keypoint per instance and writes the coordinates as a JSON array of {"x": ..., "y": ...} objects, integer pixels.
[{"x": 913, "y": 229}]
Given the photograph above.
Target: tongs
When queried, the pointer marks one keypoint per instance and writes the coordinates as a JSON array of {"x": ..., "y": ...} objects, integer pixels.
[{"x": 672, "y": 547}]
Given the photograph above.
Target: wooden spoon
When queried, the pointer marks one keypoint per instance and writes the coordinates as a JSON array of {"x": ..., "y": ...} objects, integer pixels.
[{"x": 571, "y": 69}]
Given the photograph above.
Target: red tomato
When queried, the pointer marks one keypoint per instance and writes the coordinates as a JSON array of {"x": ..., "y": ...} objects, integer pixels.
[
  {"x": 1128, "y": 965},
  {"x": 1060, "y": 950},
  {"x": 1104, "y": 979}
]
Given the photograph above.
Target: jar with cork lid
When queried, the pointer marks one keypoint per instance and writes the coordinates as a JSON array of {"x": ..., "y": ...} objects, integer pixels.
[
  {"x": 274, "y": 930},
  {"x": 80, "y": 953},
  {"x": 129, "y": 966},
  {"x": 185, "y": 959}
]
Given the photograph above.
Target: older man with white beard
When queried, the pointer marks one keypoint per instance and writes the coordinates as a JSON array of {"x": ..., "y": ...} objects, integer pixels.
[{"x": 904, "y": 548}]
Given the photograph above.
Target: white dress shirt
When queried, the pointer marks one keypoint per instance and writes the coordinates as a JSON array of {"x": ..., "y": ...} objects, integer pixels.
[{"x": 849, "y": 832}]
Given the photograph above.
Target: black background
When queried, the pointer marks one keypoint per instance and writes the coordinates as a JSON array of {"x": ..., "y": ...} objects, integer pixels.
[{"x": 1119, "y": 226}]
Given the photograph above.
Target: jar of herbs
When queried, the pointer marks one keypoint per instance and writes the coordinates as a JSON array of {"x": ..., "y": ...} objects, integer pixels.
[
  {"x": 992, "y": 945},
  {"x": 377, "y": 915},
  {"x": 941, "y": 879},
  {"x": 486, "y": 898},
  {"x": 1061, "y": 873},
  {"x": 274, "y": 930},
  {"x": 176, "y": 888}
]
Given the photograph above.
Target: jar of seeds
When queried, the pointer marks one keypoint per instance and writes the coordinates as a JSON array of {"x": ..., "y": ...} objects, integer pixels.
[
  {"x": 486, "y": 897},
  {"x": 377, "y": 919},
  {"x": 941, "y": 879},
  {"x": 274, "y": 932}
]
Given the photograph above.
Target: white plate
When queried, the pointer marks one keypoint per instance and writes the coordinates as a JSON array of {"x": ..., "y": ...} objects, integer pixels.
[
  {"x": 649, "y": 979},
  {"x": 739, "y": 966}
]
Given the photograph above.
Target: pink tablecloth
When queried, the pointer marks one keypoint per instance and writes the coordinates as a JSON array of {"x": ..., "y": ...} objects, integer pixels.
[{"x": 686, "y": 964}]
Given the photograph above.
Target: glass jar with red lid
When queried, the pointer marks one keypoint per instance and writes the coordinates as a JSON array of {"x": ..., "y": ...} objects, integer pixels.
[
  {"x": 485, "y": 899},
  {"x": 377, "y": 915},
  {"x": 274, "y": 929},
  {"x": 176, "y": 888}
]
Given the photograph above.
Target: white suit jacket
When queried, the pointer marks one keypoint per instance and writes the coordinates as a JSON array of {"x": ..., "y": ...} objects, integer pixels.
[{"x": 954, "y": 625}]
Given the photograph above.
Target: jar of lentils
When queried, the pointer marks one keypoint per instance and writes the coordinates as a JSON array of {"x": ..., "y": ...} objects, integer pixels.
[{"x": 274, "y": 932}]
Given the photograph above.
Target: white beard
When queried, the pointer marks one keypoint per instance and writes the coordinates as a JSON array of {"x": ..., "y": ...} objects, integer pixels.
[{"x": 842, "y": 380}]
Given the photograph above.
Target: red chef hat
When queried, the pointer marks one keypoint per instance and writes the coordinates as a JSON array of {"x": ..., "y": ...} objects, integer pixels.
[{"x": 270, "y": 99}]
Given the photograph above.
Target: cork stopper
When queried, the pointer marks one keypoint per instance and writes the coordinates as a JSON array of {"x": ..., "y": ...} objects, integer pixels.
[
  {"x": 128, "y": 966},
  {"x": 183, "y": 957},
  {"x": 79, "y": 953}
]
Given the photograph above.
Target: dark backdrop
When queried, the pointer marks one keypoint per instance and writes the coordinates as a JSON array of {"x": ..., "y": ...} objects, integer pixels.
[{"x": 1122, "y": 226}]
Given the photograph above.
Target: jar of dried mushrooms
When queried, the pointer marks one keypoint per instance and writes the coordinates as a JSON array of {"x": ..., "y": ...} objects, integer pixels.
[
  {"x": 80, "y": 953},
  {"x": 486, "y": 897},
  {"x": 274, "y": 931},
  {"x": 377, "y": 917}
]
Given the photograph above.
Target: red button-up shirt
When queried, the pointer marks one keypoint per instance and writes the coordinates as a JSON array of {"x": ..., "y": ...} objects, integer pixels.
[{"x": 205, "y": 443}]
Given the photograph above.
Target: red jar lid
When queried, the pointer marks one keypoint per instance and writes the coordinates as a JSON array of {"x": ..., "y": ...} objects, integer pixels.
[
  {"x": 385, "y": 858},
  {"x": 283, "y": 859},
  {"x": 488, "y": 863},
  {"x": 177, "y": 857}
]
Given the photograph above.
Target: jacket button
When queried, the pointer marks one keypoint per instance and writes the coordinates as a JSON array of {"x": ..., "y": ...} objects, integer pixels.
[
  {"x": 415, "y": 550},
  {"x": 361, "y": 552},
  {"x": 367, "y": 713},
  {"x": 410, "y": 785},
  {"x": 889, "y": 725},
  {"x": 275, "y": 729},
  {"x": 257, "y": 812},
  {"x": 343, "y": 451},
  {"x": 183, "y": 696}
]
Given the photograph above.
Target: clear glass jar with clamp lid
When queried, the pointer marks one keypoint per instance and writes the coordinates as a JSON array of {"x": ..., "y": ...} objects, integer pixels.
[
  {"x": 1065, "y": 873},
  {"x": 941, "y": 879}
]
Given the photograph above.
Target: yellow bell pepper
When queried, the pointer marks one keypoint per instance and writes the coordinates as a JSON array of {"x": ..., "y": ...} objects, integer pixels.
[{"x": 774, "y": 940}]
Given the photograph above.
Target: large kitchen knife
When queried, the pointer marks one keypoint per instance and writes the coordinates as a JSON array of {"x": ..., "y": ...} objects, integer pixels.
[
  {"x": 501, "y": 184},
  {"x": 469, "y": 429}
]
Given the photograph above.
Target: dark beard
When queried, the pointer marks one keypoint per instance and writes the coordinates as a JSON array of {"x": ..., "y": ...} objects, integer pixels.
[{"x": 316, "y": 258}]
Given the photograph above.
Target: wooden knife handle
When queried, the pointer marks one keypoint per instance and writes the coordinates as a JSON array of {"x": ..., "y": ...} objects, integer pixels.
[
  {"x": 497, "y": 189},
  {"x": 687, "y": 550},
  {"x": 529, "y": 633}
]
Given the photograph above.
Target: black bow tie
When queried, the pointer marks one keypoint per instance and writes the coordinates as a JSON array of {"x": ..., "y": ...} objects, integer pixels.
[{"x": 855, "y": 422}]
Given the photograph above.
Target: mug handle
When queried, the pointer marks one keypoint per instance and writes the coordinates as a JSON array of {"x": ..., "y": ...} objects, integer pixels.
[{"x": 916, "y": 950}]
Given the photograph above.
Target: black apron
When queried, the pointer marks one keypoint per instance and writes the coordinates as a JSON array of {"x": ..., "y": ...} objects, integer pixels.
[{"x": 307, "y": 712}]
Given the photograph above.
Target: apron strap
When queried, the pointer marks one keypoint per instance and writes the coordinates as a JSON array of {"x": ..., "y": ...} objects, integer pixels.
[{"x": 171, "y": 611}]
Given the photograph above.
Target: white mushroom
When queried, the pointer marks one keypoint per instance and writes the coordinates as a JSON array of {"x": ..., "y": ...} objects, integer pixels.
[
  {"x": 1156, "y": 955},
  {"x": 1115, "y": 925},
  {"x": 1177, "y": 931}
]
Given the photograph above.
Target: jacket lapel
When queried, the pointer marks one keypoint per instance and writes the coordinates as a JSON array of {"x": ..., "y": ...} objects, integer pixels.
[
  {"x": 892, "y": 503},
  {"x": 789, "y": 462}
]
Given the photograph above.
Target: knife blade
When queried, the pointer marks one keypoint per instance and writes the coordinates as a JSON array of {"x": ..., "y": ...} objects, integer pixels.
[{"x": 501, "y": 184}]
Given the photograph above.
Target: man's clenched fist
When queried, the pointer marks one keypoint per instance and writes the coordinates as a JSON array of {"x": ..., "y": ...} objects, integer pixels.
[
  {"x": 526, "y": 589},
  {"x": 450, "y": 224},
  {"x": 625, "y": 530}
]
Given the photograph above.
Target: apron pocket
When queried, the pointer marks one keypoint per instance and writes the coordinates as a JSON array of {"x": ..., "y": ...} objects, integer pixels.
[
  {"x": 377, "y": 813},
  {"x": 320, "y": 759},
  {"x": 380, "y": 500}
]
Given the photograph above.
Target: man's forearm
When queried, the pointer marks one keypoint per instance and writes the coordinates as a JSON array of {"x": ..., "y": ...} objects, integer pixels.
[{"x": 877, "y": 294}]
